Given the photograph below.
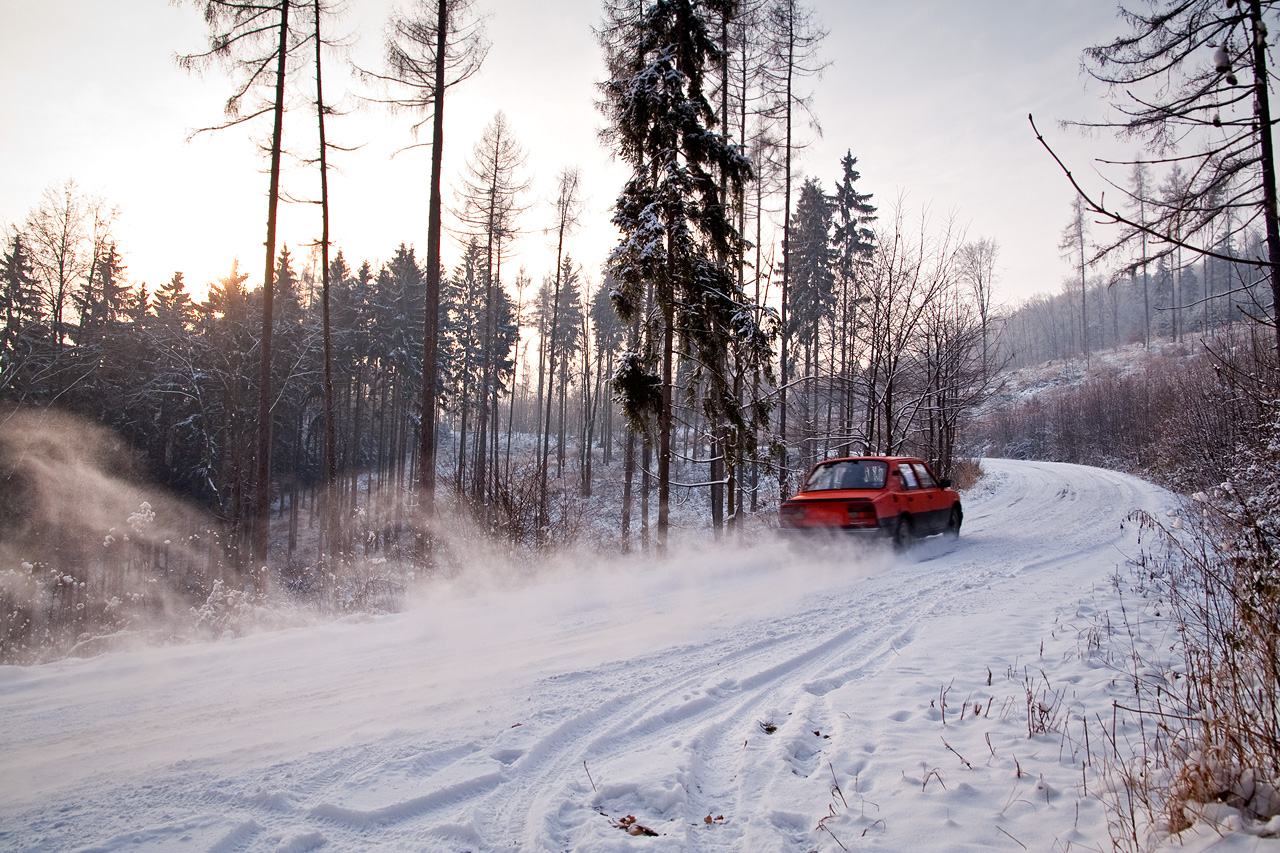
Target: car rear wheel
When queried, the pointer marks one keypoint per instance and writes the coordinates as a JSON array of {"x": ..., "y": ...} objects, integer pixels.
[
  {"x": 953, "y": 523},
  {"x": 903, "y": 534}
]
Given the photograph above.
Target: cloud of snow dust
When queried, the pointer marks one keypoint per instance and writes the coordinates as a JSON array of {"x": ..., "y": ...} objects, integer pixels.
[
  {"x": 645, "y": 601},
  {"x": 86, "y": 549},
  {"x": 92, "y": 558}
]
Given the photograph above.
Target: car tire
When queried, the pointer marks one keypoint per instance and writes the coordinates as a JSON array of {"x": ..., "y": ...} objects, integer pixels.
[
  {"x": 953, "y": 523},
  {"x": 903, "y": 534}
]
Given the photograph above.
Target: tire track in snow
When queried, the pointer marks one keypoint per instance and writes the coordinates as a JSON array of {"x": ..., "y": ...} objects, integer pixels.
[
  {"x": 1069, "y": 496},
  {"x": 723, "y": 700},
  {"x": 440, "y": 780}
]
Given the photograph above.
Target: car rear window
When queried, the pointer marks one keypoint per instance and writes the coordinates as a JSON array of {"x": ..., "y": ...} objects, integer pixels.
[{"x": 848, "y": 474}]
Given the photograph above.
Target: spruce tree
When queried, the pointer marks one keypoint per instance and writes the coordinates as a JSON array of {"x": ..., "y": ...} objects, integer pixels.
[
  {"x": 24, "y": 322},
  {"x": 852, "y": 235},
  {"x": 676, "y": 226},
  {"x": 810, "y": 262}
]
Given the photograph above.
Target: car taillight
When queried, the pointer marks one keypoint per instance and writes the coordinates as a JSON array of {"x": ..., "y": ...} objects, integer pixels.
[
  {"x": 861, "y": 514},
  {"x": 791, "y": 514}
]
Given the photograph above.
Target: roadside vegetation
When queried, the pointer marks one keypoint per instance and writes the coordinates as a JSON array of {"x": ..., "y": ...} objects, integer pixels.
[{"x": 1202, "y": 418}]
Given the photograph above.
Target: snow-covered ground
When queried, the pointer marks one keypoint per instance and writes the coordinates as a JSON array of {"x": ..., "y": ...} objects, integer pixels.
[{"x": 768, "y": 697}]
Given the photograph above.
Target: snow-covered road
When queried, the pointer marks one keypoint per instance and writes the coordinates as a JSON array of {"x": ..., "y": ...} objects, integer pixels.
[{"x": 728, "y": 700}]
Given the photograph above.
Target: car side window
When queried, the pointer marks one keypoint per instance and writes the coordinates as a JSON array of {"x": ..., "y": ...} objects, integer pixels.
[
  {"x": 926, "y": 479},
  {"x": 908, "y": 477}
]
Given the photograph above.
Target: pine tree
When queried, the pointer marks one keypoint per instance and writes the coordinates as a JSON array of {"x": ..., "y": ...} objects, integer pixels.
[
  {"x": 568, "y": 206},
  {"x": 176, "y": 350},
  {"x": 226, "y": 383},
  {"x": 608, "y": 336},
  {"x": 490, "y": 206},
  {"x": 852, "y": 236},
  {"x": 567, "y": 332},
  {"x": 676, "y": 229},
  {"x": 810, "y": 262},
  {"x": 330, "y": 530},
  {"x": 25, "y": 325},
  {"x": 461, "y": 330},
  {"x": 174, "y": 311},
  {"x": 853, "y": 241},
  {"x": 100, "y": 303},
  {"x": 1074, "y": 245}
]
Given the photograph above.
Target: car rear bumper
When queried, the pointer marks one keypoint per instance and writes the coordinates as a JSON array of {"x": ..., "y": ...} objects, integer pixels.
[{"x": 883, "y": 528}]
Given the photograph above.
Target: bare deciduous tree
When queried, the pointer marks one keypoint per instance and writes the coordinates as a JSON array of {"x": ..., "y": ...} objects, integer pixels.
[
  {"x": 1192, "y": 81},
  {"x": 431, "y": 48},
  {"x": 794, "y": 38},
  {"x": 254, "y": 40},
  {"x": 978, "y": 270},
  {"x": 489, "y": 197}
]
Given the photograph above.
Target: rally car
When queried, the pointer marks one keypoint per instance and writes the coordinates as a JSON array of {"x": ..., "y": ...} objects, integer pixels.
[{"x": 894, "y": 496}]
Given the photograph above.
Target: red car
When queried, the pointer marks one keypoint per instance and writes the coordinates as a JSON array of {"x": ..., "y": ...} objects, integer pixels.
[{"x": 896, "y": 496}]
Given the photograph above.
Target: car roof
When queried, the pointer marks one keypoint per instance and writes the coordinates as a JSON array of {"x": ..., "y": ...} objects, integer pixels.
[{"x": 870, "y": 459}]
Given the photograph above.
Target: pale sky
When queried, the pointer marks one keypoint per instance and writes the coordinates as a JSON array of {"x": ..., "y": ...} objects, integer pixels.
[{"x": 932, "y": 98}]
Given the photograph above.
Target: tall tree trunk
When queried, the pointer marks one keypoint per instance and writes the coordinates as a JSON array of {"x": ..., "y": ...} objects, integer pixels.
[
  {"x": 489, "y": 338},
  {"x": 551, "y": 371},
  {"x": 357, "y": 441},
  {"x": 755, "y": 382},
  {"x": 495, "y": 415},
  {"x": 665, "y": 419},
  {"x": 431, "y": 319},
  {"x": 1084, "y": 314},
  {"x": 784, "y": 473},
  {"x": 590, "y": 396},
  {"x": 628, "y": 476},
  {"x": 330, "y": 428},
  {"x": 1261, "y": 78},
  {"x": 262, "y": 498},
  {"x": 562, "y": 430},
  {"x": 1146, "y": 298},
  {"x": 460, "y": 470},
  {"x": 716, "y": 465},
  {"x": 646, "y": 489}
]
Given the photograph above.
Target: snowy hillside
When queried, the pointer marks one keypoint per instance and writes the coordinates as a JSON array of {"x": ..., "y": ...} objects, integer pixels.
[{"x": 758, "y": 698}]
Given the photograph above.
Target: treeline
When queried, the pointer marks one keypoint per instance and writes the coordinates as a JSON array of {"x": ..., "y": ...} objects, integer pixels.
[
  {"x": 174, "y": 376},
  {"x": 341, "y": 422},
  {"x": 1162, "y": 301},
  {"x": 1188, "y": 416},
  {"x": 888, "y": 358}
]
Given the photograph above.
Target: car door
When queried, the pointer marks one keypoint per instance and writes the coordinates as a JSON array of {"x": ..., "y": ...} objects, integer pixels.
[
  {"x": 908, "y": 499},
  {"x": 932, "y": 499}
]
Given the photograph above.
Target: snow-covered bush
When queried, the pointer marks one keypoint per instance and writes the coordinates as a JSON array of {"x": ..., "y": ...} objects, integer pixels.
[
  {"x": 1214, "y": 743},
  {"x": 1174, "y": 416},
  {"x": 226, "y": 611}
]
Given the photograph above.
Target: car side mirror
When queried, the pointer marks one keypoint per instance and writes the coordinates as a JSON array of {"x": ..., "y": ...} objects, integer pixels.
[{"x": 945, "y": 482}]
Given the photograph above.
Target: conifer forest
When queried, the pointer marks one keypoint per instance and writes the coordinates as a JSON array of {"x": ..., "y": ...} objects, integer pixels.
[{"x": 316, "y": 425}]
